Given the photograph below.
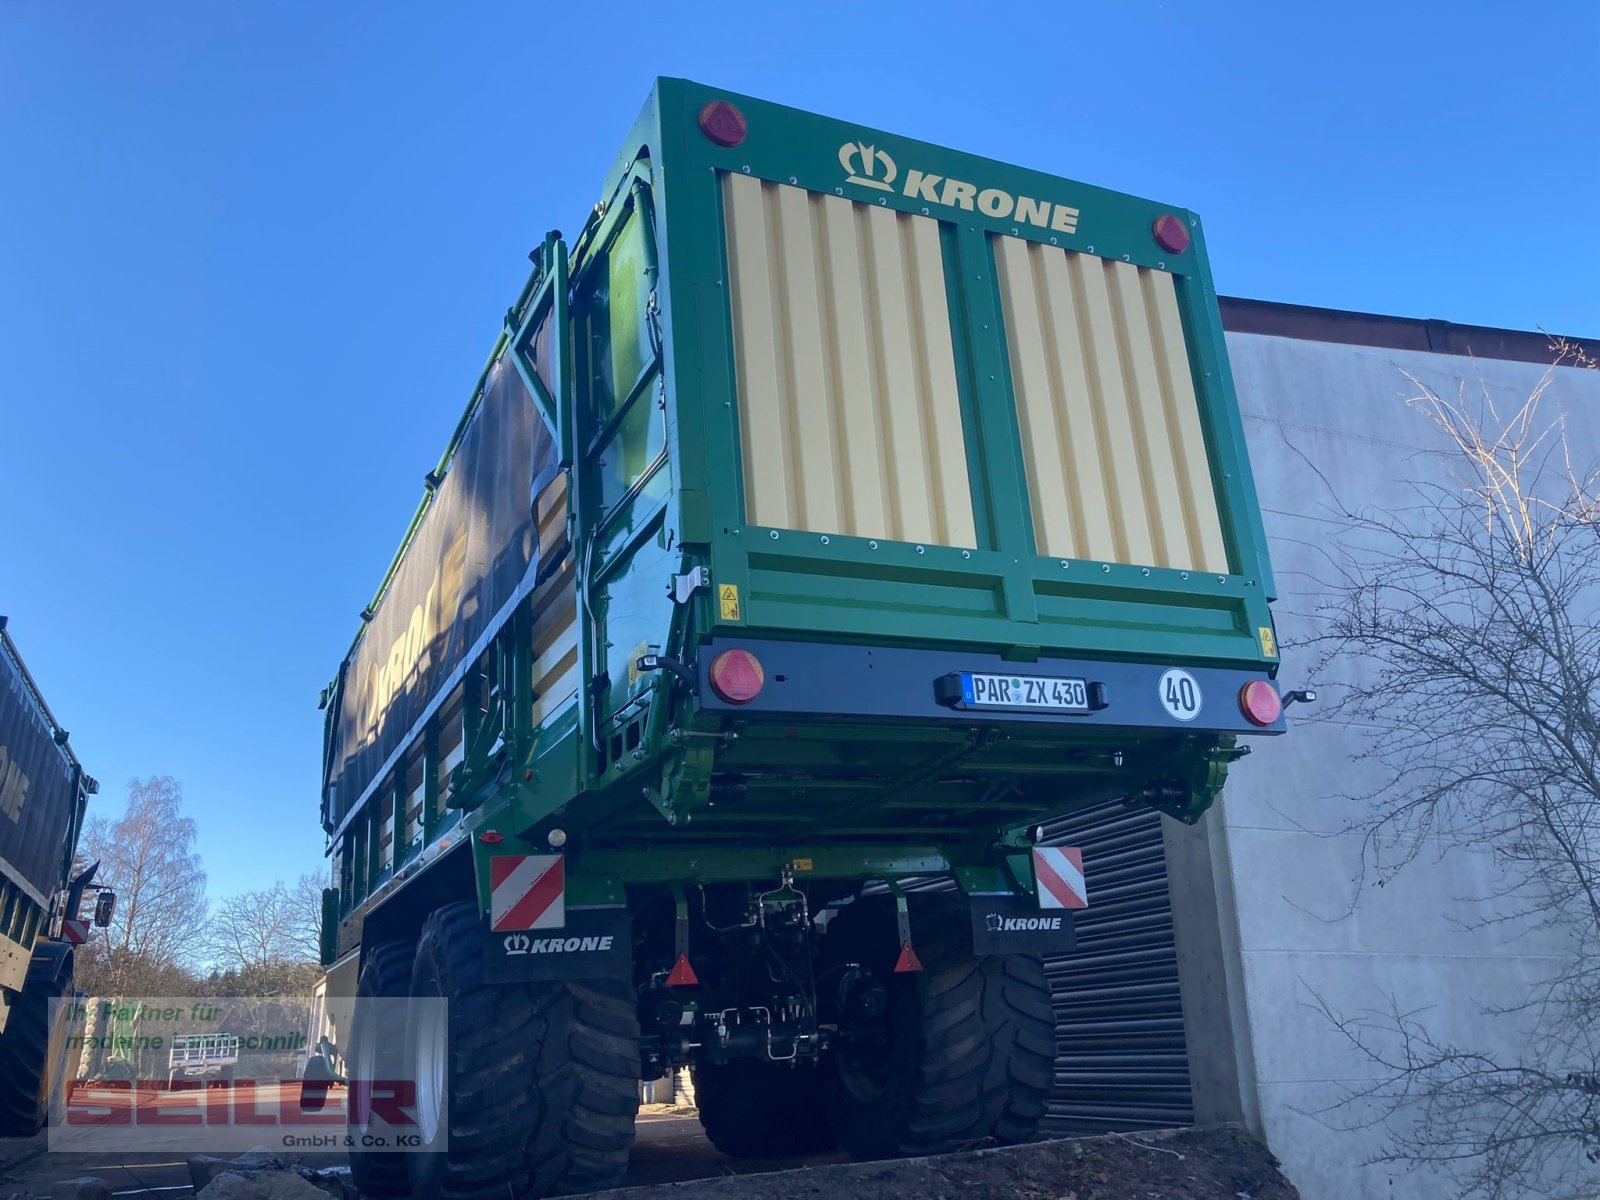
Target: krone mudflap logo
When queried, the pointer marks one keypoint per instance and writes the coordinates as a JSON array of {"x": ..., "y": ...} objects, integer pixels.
[
  {"x": 520, "y": 943},
  {"x": 997, "y": 923},
  {"x": 868, "y": 165}
]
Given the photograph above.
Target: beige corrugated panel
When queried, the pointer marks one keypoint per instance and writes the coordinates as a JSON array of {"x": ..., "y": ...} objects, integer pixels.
[
  {"x": 555, "y": 609},
  {"x": 550, "y": 516},
  {"x": 848, "y": 410},
  {"x": 555, "y": 643},
  {"x": 1111, "y": 435}
]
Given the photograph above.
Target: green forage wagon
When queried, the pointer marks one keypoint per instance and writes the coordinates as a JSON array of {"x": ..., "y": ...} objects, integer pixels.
[{"x": 833, "y": 508}]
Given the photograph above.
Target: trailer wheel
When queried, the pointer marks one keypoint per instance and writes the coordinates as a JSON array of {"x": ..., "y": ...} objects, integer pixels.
[
  {"x": 751, "y": 1108},
  {"x": 964, "y": 1052},
  {"x": 314, "y": 1083},
  {"x": 376, "y": 1052},
  {"x": 33, "y": 1054},
  {"x": 541, "y": 1079}
]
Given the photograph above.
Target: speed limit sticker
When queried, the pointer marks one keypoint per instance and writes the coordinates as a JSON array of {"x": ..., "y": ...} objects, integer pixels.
[{"x": 1180, "y": 695}]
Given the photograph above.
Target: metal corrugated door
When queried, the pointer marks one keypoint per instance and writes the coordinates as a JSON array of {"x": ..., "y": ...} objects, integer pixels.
[{"x": 1121, "y": 1059}]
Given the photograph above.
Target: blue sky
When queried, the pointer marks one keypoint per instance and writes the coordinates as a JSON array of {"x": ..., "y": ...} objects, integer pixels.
[{"x": 252, "y": 257}]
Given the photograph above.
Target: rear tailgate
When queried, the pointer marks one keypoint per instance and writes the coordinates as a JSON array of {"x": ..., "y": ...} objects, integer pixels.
[{"x": 952, "y": 401}]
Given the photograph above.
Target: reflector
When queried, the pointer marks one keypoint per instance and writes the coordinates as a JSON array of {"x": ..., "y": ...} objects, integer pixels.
[
  {"x": 1259, "y": 702},
  {"x": 1171, "y": 233},
  {"x": 723, "y": 123},
  {"x": 736, "y": 676}
]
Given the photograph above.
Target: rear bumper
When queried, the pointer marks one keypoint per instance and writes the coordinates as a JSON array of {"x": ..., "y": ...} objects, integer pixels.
[{"x": 876, "y": 682}]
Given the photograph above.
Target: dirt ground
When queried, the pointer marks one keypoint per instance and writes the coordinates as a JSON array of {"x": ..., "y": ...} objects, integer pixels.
[
  {"x": 1214, "y": 1164},
  {"x": 1186, "y": 1165}
]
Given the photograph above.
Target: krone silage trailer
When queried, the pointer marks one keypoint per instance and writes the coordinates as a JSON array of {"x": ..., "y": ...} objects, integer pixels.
[
  {"x": 832, "y": 508},
  {"x": 43, "y": 796}
]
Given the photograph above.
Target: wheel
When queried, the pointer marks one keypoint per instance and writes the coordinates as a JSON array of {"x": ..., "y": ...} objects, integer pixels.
[
  {"x": 751, "y": 1108},
  {"x": 964, "y": 1051},
  {"x": 538, "y": 1082},
  {"x": 314, "y": 1083},
  {"x": 33, "y": 1052},
  {"x": 376, "y": 1053}
]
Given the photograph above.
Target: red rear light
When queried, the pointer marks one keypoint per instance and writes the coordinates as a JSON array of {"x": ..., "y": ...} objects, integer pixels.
[
  {"x": 1171, "y": 233},
  {"x": 1258, "y": 701},
  {"x": 723, "y": 123},
  {"x": 736, "y": 676}
]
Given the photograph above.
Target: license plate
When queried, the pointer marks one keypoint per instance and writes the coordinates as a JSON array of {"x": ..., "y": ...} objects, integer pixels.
[{"x": 1025, "y": 693}]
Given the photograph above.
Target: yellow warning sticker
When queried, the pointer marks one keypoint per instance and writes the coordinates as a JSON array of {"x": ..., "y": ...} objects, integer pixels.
[
  {"x": 1269, "y": 644},
  {"x": 802, "y": 864},
  {"x": 728, "y": 601},
  {"x": 634, "y": 674}
]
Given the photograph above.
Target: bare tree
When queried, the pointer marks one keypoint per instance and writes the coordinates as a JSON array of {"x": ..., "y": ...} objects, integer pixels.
[
  {"x": 1472, "y": 618},
  {"x": 276, "y": 925},
  {"x": 307, "y": 931},
  {"x": 148, "y": 857}
]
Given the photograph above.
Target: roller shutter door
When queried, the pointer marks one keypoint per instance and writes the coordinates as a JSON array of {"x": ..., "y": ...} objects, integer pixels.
[{"x": 1121, "y": 1058}]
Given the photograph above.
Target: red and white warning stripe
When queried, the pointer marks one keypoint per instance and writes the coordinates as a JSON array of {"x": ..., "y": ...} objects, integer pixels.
[
  {"x": 1058, "y": 870},
  {"x": 76, "y": 932},
  {"x": 527, "y": 891}
]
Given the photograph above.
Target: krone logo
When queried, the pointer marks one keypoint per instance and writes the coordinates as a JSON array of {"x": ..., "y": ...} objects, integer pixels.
[
  {"x": 867, "y": 159},
  {"x": 517, "y": 943},
  {"x": 868, "y": 166},
  {"x": 997, "y": 923}
]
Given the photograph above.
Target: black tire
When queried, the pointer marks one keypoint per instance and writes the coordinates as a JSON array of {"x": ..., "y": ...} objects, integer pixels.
[
  {"x": 752, "y": 1108},
  {"x": 541, "y": 1079},
  {"x": 314, "y": 1083},
  {"x": 377, "y": 1052},
  {"x": 965, "y": 1051},
  {"x": 32, "y": 1053}
]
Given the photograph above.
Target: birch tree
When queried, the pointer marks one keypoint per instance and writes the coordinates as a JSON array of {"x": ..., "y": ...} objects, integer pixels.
[{"x": 147, "y": 857}]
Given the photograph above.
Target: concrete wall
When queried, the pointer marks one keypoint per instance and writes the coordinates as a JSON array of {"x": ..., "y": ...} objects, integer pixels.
[{"x": 1271, "y": 862}]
